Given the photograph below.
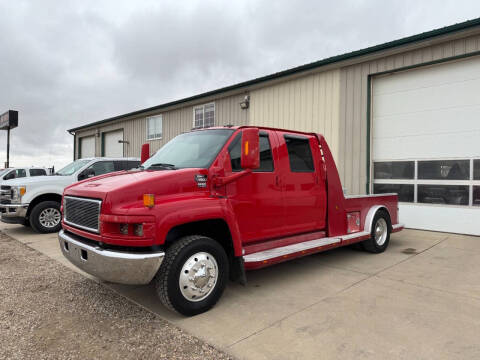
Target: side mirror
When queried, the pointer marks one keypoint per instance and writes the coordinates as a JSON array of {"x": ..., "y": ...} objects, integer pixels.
[
  {"x": 145, "y": 153},
  {"x": 85, "y": 174},
  {"x": 250, "y": 149}
]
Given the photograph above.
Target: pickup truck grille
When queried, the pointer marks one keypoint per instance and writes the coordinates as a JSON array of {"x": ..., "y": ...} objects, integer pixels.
[
  {"x": 5, "y": 194},
  {"x": 82, "y": 213}
]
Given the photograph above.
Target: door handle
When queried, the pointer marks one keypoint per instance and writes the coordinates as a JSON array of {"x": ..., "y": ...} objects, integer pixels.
[{"x": 277, "y": 181}]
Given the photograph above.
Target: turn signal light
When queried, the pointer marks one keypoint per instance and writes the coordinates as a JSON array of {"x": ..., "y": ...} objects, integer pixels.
[
  {"x": 22, "y": 190},
  {"x": 148, "y": 200}
]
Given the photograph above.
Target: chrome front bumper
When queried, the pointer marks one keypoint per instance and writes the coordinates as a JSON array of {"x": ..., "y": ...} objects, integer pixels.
[
  {"x": 113, "y": 266},
  {"x": 14, "y": 210}
]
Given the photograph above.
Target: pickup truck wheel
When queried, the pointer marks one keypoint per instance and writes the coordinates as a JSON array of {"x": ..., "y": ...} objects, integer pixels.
[
  {"x": 46, "y": 217},
  {"x": 380, "y": 233},
  {"x": 193, "y": 275}
]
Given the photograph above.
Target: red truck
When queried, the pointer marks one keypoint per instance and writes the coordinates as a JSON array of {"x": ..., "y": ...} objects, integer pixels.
[{"x": 213, "y": 203}]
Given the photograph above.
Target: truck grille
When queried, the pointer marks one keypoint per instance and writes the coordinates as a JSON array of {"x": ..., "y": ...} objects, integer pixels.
[
  {"x": 82, "y": 213},
  {"x": 5, "y": 194}
]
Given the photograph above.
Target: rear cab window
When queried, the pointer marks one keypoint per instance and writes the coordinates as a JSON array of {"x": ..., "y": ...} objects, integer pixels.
[
  {"x": 299, "y": 154},
  {"x": 38, "y": 172}
]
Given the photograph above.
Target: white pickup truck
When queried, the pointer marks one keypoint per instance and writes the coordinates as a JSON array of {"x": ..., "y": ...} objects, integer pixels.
[{"x": 35, "y": 201}]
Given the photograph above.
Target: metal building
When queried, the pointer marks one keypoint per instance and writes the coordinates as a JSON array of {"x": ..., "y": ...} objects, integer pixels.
[{"x": 403, "y": 117}]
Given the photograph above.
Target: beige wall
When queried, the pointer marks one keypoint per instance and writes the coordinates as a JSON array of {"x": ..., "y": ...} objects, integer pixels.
[
  {"x": 227, "y": 111},
  {"x": 309, "y": 103},
  {"x": 353, "y": 105}
]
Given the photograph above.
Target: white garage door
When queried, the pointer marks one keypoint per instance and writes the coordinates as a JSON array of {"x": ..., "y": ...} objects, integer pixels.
[
  {"x": 112, "y": 146},
  {"x": 87, "y": 147},
  {"x": 426, "y": 144}
]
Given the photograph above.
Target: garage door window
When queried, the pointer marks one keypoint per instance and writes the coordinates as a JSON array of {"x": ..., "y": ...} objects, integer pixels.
[
  {"x": 444, "y": 182},
  {"x": 476, "y": 169},
  {"x": 444, "y": 170},
  {"x": 154, "y": 127}
]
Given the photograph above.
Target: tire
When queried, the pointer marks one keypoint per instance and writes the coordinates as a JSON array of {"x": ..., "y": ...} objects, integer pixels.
[
  {"x": 177, "y": 290},
  {"x": 380, "y": 233},
  {"x": 46, "y": 217}
]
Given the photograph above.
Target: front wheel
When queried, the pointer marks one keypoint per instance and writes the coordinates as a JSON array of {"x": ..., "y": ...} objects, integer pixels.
[
  {"x": 46, "y": 217},
  {"x": 380, "y": 233},
  {"x": 193, "y": 275}
]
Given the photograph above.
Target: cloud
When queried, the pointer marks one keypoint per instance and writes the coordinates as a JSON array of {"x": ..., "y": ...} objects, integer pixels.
[{"x": 67, "y": 63}]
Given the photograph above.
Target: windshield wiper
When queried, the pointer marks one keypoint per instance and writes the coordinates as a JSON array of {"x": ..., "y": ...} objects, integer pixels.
[{"x": 163, "y": 165}]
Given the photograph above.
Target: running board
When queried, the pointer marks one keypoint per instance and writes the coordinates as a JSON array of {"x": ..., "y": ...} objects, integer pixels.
[{"x": 268, "y": 257}]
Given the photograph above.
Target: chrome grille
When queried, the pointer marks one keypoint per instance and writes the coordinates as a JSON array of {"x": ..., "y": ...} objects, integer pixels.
[
  {"x": 82, "y": 213},
  {"x": 5, "y": 194}
]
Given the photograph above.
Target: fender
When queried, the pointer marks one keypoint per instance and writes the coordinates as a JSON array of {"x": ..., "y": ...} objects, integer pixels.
[
  {"x": 196, "y": 209},
  {"x": 32, "y": 194}
]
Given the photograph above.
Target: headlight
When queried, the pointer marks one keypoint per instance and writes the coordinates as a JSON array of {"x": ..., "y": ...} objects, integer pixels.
[{"x": 18, "y": 192}]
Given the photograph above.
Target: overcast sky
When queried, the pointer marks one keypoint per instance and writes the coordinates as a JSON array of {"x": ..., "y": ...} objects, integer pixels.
[{"x": 68, "y": 63}]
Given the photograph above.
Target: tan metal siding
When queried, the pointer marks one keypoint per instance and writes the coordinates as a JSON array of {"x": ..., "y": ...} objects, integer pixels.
[
  {"x": 174, "y": 122},
  {"x": 353, "y": 104},
  {"x": 310, "y": 103}
]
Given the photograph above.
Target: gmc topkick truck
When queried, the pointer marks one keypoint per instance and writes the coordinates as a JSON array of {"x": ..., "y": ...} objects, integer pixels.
[{"x": 213, "y": 203}]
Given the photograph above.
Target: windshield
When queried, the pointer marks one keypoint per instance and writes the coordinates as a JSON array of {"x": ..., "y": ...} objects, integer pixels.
[
  {"x": 4, "y": 171},
  {"x": 195, "y": 149},
  {"x": 72, "y": 167}
]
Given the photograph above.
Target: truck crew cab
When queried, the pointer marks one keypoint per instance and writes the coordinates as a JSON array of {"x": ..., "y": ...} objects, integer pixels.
[{"x": 213, "y": 203}]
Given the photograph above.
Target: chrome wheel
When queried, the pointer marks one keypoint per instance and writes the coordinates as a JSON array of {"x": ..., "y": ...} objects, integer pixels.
[
  {"x": 381, "y": 231},
  {"x": 49, "y": 217},
  {"x": 198, "y": 276}
]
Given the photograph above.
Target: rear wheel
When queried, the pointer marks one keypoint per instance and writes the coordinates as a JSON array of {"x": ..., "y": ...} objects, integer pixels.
[
  {"x": 193, "y": 275},
  {"x": 380, "y": 233},
  {"x": 46, "y": 217}
]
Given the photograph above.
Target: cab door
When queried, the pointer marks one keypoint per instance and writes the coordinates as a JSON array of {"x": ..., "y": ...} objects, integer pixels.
[
  {"x": 256, "y": 198},
  {"x": 303, "y": 187}
]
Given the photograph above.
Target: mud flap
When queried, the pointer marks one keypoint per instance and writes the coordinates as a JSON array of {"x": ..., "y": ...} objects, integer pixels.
[{"x": 237, "y": 270}]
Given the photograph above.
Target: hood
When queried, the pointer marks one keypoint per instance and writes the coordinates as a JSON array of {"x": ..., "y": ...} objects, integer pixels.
[
  {"x": 53, "y": 179},
  {"x": 125, "y": 188}
]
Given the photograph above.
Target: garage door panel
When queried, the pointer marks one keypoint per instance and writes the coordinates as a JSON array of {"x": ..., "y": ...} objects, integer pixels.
[
  {"x": 436, "y": 146},
  {"x": 87, "y": 147},
  {"x": 113, "y": 144},
  {"x": 432, "y": 122},
  {"x": 431, "y": 77},
  {"x": 427, "y": 99}
]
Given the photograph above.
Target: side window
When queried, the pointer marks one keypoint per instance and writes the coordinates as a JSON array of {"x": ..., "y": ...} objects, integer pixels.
[
  {"x": 266, "y": 158},
  {"x": 120, "y": 165},
  {"x": 235, "y": 149},
  {"x": 37, "y": 172},
  {"x": 102, "y": 167},
  {"x": 299, "y": 154},
  {"x": 126, "y": 165},
  {"x": 132, "y": 165},
  {"x": 20, "y": 173},
  {"x": 10, "y": 175}
]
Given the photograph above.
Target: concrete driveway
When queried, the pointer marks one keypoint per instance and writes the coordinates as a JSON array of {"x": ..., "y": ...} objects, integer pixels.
[{"x": 418, "y": 300}]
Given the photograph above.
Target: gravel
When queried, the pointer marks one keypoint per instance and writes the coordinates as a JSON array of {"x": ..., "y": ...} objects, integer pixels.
[{"x": 48, "y": 311}]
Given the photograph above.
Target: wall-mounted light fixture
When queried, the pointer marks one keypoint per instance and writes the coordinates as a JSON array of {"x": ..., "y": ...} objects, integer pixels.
[{"x": 246, "y": 102}]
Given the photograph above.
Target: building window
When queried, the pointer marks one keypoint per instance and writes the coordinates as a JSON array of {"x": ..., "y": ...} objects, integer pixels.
[
  {"x": 444, "y": 182},
  {"x": 154, "y": 127},
  {"x": 204, "y": 116}
]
